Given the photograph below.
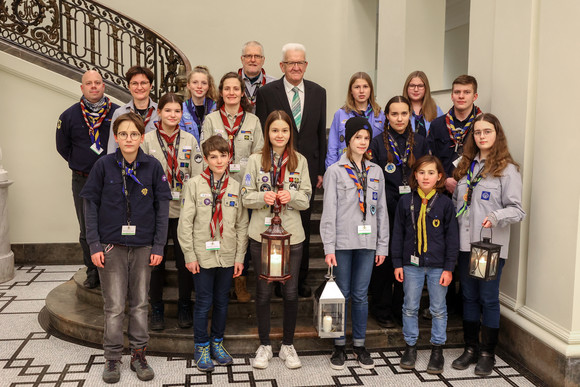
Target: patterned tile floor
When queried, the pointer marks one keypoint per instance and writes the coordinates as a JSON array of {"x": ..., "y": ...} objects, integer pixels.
[{"x": 31, "y": 355}]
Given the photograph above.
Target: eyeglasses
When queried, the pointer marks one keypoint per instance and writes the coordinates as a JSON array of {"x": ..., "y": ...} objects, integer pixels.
[
  {"x": 248, "y": 56},
  {"x": 124, "y": 135},
  {"x": 292, "y": 64},
  {"x": 137, "y": 84},
  {"x": 486, "y": 132},
  {"x": 412, "y": 86}
]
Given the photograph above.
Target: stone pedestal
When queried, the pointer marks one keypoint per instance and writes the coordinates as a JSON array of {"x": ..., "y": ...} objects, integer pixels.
[{"x": 6, "y": 254}]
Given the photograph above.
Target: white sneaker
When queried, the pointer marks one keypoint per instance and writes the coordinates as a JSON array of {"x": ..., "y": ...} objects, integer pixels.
[
  {"x": 263, "y": 355},
  {"x": 290, "y": 357}
]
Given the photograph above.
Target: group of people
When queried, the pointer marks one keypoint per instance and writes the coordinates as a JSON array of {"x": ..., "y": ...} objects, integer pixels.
[{"x": 405, "y": 193}]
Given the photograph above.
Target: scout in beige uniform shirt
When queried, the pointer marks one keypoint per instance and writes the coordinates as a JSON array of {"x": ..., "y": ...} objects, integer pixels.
[{"x": 249, "y": 139}]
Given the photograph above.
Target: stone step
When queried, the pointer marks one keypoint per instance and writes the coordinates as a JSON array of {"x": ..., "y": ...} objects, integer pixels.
[{"x": 84, "y": 321}]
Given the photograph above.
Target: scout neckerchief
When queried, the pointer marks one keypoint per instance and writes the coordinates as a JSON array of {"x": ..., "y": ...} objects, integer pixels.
[
  {"x": 171, "y": 156},
  {"x": 457, "y": 135},
  {"x": 360, "y": 180},
  {"x": 217, "y": 190},
  {"x": 238, "y": 121},
  {"x": 128, "y": 170},
  {"x": 399, "y": 160},
  {"x": 423, "y": 211},
  {"x": 252, "y": 97},
  {"x": 147, "y": 117},
  {"x": 471, "y": 183},
  {"x": 420, "y": 124},
  {"x": 95, "y": 119},
  {"x": 278, "y": 171},
  {"x": 207, "y": 102},
  {"x": 366, "y": 114}
]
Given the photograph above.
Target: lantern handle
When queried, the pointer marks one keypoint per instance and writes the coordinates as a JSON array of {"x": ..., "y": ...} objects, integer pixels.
[
  {"x": 481, "y": 231},
  {"x": 329, "y": 274}
]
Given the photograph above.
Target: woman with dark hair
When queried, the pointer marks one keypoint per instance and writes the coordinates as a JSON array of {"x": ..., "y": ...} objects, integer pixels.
[
  {"x": 277, "y": 165},
  {"x": 360, "y": 102},
  {"x": 201, "y": 102},
  {"x": 395, "y": 151},
  {"x": 488, "y": 195},
  {"x": 178, "y": 153},
  {"x": 424, "y": 108},
  {"x": 234, "y": 122}
]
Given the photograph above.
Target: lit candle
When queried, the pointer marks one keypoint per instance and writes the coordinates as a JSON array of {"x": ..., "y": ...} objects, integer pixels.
[
  {"x": 275, "y": 265},
  {"x": 327, "y": 324}
]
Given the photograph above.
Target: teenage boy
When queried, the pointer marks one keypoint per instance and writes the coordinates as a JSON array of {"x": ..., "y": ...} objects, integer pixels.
[
  {"x": 212, "y": 211},
  {"x": 126, "y": 200},
  {"x": 449, "y": 131}
]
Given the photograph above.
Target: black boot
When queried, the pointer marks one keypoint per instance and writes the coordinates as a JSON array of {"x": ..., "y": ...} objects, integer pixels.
[
  {"x": 92, "y": 280},
  {"x": 184, "y": 314},
  {"x": 436, "y": 361},
  {"x": 157, "y": 321},
  {"x": 486, "y": 359},
  {"x": 471, "y": 338},
  {"x": 409, "y": 357}
]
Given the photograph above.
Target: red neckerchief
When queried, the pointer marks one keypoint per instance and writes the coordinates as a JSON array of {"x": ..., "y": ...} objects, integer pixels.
[
  {"x": 232, "y": 132},
  {"x": 217, "y": 217},
  {"x": 148, "y": 116},
  {"x": 171, "y": 155}
]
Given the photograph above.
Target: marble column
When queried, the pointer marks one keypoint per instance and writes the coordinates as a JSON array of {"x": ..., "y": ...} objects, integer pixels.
[{"x": 6, "y": 254}]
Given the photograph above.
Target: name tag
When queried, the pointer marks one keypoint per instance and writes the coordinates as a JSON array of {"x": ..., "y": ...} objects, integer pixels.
[
  {"x": 175, "y": 195},
  {"x": 128, "y": 230},
  {"x": 212, "y": 245},
  {"x": 234, "y": 167},
  {"x": 404, "y": 189},
  {"x": 267, "y": 221},
  {"x": 94, "y": 149},
  {"x": 414, "y": 260},
  {"x": 364, "y": 229},
  {"x": 456, "y": 162}
]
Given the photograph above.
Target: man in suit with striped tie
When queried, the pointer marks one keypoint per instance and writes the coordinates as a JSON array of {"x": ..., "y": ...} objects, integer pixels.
[{"x": 305, "y": 102}]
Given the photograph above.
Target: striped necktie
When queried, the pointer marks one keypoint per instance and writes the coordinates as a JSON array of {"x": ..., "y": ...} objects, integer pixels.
[{"x": 296, "y": 108}]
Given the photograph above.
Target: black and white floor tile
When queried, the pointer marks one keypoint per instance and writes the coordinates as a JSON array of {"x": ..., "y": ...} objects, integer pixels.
[{"x": 32, "y": 355}]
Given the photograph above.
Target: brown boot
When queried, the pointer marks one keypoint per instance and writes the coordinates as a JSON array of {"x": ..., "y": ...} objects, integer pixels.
[{"x": 242, "y": 293}]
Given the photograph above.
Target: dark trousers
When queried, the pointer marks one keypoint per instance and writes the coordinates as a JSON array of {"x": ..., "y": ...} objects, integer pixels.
[
  {"x": 305, "y": 217},
  {"x": 289, "y": 292},
  {"x": 212, "y": 288},
  {"x": 78, "y": 182},
  {"x": 184, "y": 279},
  {"x": 386, "y": 292}
]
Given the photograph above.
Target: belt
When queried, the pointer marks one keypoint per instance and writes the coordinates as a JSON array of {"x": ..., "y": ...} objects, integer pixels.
[{"x": 80, "y": 173}]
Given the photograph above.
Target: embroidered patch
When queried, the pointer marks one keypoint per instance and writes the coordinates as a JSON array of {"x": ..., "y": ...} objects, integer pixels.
[
  {"x": 247, "y": 179},
  {"x": 58, "y": 124},
  {"x": 243, "y": 191},
  {"x": 198, "y": 158},
  {"x": 374, "y": 180},
  {"x": 264, "y": 179},
  {"x": 390, "y": 168},
  {"x": 207, "y": 202},
  {"x": 436, "y": 222},
  {"x": 375, "y": 195},
  {"x": 265, "y": 187},
  {"x": 373, "y": 209},
  {"x": 231, "y": 195},
  {"x": 164, "y": 178},
  {"x": 144, "y": 191},
  {"x": 485, "y": 195},
  {"x": 370, "y": 153},
  {"x": 183, "y": 165},
  {"x": 341, "y": 138}
]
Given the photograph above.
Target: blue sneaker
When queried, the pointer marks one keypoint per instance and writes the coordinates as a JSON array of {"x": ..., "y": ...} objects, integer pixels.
[
  {"x": 202, "y": 358},
  {"x": 219, "y": 353}
]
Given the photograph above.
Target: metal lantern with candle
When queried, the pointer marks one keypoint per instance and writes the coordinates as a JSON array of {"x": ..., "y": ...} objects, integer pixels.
[
  {"x": 329, "y": 312},
  {"x": 484, "y": 258},
  {"x": 275, "y": 249}
]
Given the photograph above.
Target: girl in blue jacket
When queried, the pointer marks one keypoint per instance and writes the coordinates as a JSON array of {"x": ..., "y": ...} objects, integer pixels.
[
  {"x": 425, "y": 244},
  {"x": 360, "y": 102},
  {"x": 201, "y": 102},
  {"x": 425, "y": 110}
]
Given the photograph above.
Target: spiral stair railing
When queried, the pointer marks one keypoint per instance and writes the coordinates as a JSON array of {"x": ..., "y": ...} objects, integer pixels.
[{"x": 72, "y": 36}]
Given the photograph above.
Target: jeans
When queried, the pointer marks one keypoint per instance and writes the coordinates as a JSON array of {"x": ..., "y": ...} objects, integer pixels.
[
  {"x": 184, "y": 278},
  {"x": 289, "y": 292},
  {"x": 480, "y": 297},
  {"x": 353, "y": 275},
  {"x": 78, "y": 182},
  {"x": 125, "y": 278},
  {"x": 414, "y": 279},
  {"x": 212, "y": 286}
]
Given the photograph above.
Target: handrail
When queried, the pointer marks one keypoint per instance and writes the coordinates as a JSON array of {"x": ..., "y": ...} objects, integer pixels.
[{"x": 72, "y": 36}]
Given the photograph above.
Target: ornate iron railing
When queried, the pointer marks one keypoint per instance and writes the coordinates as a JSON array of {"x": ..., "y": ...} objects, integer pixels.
[{"x": 72, "y": 36}]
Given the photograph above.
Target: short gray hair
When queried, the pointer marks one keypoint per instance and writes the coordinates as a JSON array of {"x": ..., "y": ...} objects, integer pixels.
[
  {"x": 294, "y": 47},
  {"x": 252, "y": 43}
]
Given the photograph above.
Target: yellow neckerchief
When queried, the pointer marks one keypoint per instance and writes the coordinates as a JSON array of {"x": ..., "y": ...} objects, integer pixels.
[{"x": 421, "y": 227}]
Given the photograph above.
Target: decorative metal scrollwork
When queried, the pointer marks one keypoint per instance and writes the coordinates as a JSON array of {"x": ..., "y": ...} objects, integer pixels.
[{"x": 84, "y": 34}]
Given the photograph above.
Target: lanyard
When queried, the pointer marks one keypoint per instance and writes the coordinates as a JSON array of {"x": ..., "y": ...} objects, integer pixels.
[
  {"x": 131, "y": 172},
  {"x": 276, "y": 171},
  {"x": 361, "y": 177},
  {"x": 413, "y": 221},
  {"x": 174, "y": 174}
]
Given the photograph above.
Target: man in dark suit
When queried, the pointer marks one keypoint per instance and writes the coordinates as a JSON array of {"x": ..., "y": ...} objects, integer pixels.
[{"x": 305, "y": 102}]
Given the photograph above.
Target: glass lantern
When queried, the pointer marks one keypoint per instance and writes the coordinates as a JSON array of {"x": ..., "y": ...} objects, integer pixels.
[
  {"x": 329, "y": 310},
  {"x": 484, "y": 259},
  {"x": 275, "y": 258}
]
